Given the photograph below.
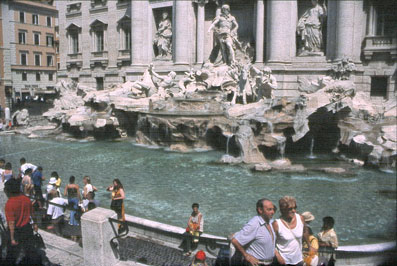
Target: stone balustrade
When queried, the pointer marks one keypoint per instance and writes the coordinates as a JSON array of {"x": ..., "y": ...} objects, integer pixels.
[{"x": 380, "y": 44}]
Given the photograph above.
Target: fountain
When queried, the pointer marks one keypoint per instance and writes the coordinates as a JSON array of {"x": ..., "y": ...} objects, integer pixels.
[{"x": 311, "y": 155}]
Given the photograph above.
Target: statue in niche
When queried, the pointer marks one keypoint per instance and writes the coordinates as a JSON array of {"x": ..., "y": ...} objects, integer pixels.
[
  {"x": 225, "y": 27},
  {"x": 310, "y": 29},
  {"x": 162, "y": 40}
]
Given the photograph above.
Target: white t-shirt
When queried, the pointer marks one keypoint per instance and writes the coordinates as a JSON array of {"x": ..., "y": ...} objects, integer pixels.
[
  {"x": 89, "y": 188},
  {"x": 26, "y": 166},
  {"x": 56, "y": 211}
]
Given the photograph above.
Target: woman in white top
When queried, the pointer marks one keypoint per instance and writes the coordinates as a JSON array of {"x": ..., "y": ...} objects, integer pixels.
[
  {"x": 289, "y": 231},
  {"x": 87, "y": 186}
]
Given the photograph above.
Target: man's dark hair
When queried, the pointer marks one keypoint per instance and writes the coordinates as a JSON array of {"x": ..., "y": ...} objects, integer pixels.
[
  {"x": 328, "y": 220},
  {"x": 39, "y": 168},
  {"x": 72, "y": 179},
  {"x": 195, "y": 205},
  {"x": 2, "y": 161},
  {"x": 12, "y": 186},
  {"x": 259, "y": 204},
  {"x": 28, "y": 171},
  {"x": 8, "y": 166},
  {"x": 22, "y": 160}
]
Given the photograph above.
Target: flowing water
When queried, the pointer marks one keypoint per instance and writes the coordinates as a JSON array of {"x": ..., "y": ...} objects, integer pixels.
[{"x": 161, "y": 185}]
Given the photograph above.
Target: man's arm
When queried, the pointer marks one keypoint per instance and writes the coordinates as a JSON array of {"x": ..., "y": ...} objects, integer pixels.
[
  {"x": 213, "y": 24},
  {"x": 252, "y": 260},
  {"x": 11, "y": 226}
]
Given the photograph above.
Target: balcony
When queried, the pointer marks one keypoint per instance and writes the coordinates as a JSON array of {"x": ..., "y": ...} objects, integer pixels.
[
  {"x": 124, "y": 57},
  {"x": 99, "y": 58},
  {"x": 380, "y": 44},
  {"x": 75, "y": 60}
]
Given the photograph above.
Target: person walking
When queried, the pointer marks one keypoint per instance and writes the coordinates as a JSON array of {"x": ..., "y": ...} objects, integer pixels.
[
  {"x": 72, "y": 192},
  {"x": 38, "y": 178},
  {"x": 117, "y": 203},
  {"x": 18, "y": 211},
  {"x": 257, "y": 239}
]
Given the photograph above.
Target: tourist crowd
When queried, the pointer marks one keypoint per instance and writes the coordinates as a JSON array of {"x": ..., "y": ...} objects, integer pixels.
[{"x": 288, "y": 240}]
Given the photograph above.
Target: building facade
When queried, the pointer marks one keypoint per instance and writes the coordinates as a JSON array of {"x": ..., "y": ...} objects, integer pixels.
[
  {"x": 104, "y": 42},
  {"x": 27, "y": 35}
]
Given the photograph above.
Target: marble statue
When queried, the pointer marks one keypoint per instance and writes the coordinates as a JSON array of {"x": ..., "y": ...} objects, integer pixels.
[
  {"x": 193, "y": 81},
  {"x": 225, "y": 27},
  {"x": 342, "y": 69},
  {"x": 164, "y": 84},
  {"x": 265, "y": 83},
  {"x": 163, "y": 37},
  {"x": 310, "y": 29}
]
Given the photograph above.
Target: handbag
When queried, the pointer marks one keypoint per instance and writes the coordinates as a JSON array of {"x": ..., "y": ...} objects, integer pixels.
[
  {"x": 116, "y": 205},
  {"x": 38, "y": 241}
]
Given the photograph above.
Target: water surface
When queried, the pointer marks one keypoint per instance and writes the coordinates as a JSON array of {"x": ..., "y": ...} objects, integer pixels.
[{"x": 161, "y": 185}]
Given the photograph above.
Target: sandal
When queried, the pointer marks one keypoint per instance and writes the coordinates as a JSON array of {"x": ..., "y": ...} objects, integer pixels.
[{"x": 187, "y": 254}]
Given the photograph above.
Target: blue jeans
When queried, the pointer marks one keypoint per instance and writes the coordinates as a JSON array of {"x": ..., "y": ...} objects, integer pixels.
[{"x": 75, "y": 204}]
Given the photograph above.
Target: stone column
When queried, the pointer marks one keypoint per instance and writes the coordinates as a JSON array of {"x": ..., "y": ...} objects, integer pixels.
[
  {"x": 111, "y": 35},
  {"x": 96, "y": 232},
  {"x": 140, "y": 33},
  {"x": 182, "y": 32},
  {"x": 200, "y": 30},
  {"x": 282, "y": 17},
  {"x": 349, "y": 17},
  {"x": 260, "y": 28}
]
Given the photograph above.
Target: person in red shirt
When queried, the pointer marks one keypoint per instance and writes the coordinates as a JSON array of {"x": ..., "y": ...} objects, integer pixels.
[{"x": 18, "y": 211}]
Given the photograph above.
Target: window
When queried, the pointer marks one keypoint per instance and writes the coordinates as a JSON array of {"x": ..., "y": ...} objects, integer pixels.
[
  {"x": 126, "y": 35},
  {"x": 50, "y": 76},
  {"x": 22, "y": 37},
  {"x": 99, "y": 41},
  {"x": 38, "y": 78},
  {"x": 22, "y": 17},
  {"x": 386, "y": 23},
  {"x": 50, "y": 40},
  {"x": 99, "y": 84},
  {"x": 24, "y": 76},
  {"x": 379, "y": 87},
  {"x": 58, "y": 65},
  {"x": 74, "y": 42},
  {"x": 37, "y": 59},
  {"x": 35, "y": 19},
  {"x": 50, "y": 61},
  {"x": 49, "y": 21},
  {"x": 24, "y": 59},
  {"x": 36, "y": 38}
]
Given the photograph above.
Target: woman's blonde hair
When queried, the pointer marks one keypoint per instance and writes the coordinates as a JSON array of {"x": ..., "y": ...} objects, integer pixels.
[{"x": 286, "y": 201}]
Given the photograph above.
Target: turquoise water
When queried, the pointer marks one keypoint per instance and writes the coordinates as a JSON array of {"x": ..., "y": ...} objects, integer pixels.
[{"x": 161, "y": 185}]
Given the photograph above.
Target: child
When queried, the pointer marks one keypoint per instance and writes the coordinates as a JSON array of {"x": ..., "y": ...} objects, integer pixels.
[
  {"x": 310, "y": 258},
  {"x": 199, "y": 259},
  {"x": 58, "y": 183}
]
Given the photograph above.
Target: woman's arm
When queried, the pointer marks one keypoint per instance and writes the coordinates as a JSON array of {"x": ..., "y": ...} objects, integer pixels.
[
  {"x": 65, "y": 192},
  {"x": 85, "y": 192},
  {"x": 94, "y": 188}
]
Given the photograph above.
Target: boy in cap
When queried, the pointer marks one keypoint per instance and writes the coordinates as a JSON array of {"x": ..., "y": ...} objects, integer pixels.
[{"x": 199, "y": 259}]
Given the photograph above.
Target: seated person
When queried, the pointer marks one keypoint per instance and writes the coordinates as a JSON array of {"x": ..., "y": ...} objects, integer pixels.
[
  {"x": 56, "y": 212},
  {"x": 328, "y": 239},
  {"x": 195, "y": 226},
  {"x": 310, "y": 258}
]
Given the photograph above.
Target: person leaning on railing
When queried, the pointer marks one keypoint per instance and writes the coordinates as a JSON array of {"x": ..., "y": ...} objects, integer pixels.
[{"x": 117, "y": 203}]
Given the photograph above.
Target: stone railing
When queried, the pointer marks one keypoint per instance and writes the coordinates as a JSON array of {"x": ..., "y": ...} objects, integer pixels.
[
  {"x": 98, "y": 229},
  {"x": 380, "y": 44}
]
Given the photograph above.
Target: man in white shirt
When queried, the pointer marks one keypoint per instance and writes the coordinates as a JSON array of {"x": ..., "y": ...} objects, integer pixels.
[
  {"x": 25, "y": 166},
  {"x": 55, "y": 211},
  {"x": 2, "y": 164}
]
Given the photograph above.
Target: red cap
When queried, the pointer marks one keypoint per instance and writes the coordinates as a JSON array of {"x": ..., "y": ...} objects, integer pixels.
[{"x": 200, "y": 255}]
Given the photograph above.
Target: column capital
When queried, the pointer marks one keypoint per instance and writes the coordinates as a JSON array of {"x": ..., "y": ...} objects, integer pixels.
[{"x": 201, "y": 2}]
